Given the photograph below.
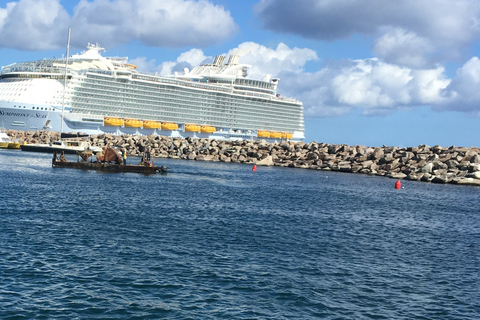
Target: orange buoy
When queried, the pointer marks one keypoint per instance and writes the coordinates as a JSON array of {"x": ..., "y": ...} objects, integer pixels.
[
  {"x": 398, "y": 184},
  {"x": 254, "y": 168}
]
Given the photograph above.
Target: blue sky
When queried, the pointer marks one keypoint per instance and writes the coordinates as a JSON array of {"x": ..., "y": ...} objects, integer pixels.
[{"x": 369, "y": 72}]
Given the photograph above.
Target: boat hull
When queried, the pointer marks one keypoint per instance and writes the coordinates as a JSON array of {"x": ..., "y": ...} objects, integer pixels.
[
  {"x": 109, "y": 167},
  {"x": 9, "y": 145},
  {"x": 13, "y": 145},
  {"x": 6, "y": 142}
]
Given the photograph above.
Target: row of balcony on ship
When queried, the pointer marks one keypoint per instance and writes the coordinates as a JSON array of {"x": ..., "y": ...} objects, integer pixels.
[{"x": 189, "y": 127}]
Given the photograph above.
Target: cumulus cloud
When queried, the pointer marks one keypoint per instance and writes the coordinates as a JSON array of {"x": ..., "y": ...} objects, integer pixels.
[
  {"x": 189, "y": 59},
  {"x": 440, "y": 28},
  {"x": 264, "y": 60},
  {"x": 33, "y": 25},
  {"x": 462, "y": 93},
  {"x": 167, "y": 23},
  {"x": 403, "y": 47},
  {"x": 369, "y": 85}
]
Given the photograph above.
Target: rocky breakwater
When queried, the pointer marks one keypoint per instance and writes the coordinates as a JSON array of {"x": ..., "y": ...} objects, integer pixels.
[{"x": 436, "y": 164}]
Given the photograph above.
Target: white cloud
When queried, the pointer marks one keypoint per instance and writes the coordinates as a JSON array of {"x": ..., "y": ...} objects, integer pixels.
[
  {"x": 402, "y": 47},
  {"x": 424, "y": 31},
  {"x": 144, "y": 65},
  {"x": 33, "y": 25},
  {"x": 188, "y": 59},
  {"x": 370, "y": 85},
  {"x": 462, "y": 93},
  {"x": 166, "y": 23},
  {"x": 4, "y": 13},
  {"x": 194, "y": 57},
  {"x": 264, "y": 60}
]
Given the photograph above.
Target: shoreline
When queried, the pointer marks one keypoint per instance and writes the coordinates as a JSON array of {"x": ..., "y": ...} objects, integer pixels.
[{"x": 457, "y": 165}]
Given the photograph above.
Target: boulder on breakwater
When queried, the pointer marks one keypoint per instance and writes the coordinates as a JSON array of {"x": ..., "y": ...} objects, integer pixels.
[{"x": 435, "y": 164}]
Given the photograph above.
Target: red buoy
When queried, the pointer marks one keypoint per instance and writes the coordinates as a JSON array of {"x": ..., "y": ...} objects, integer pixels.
[
  {"x": 398, "y": 184},
  {"x": 254, "y": 168}
]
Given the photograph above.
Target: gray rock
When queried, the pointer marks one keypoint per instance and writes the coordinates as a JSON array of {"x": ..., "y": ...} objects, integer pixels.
[
  {"x": 475, "y": 159},
  {"x": 440, "y": 165},
  {"x": 268, "y": 161},
  {"x": 443, "y": 178},
  {"x": 377, "y": 154},
  {"x": 468, "y": 181},
  {"x": 399, "y": 175},
  {"x": 428, "y": 168},
  {"x": 469, "y": 155},
  {"x": 427, "y": 177},
  {"x": 451, "y": 164},
  {"x": 344, "y": 166},
  {"x": 440, "y": 172}
]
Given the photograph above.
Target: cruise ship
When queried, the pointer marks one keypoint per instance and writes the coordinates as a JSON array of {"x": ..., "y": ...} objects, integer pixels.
[{"x": 93, "y": 94}]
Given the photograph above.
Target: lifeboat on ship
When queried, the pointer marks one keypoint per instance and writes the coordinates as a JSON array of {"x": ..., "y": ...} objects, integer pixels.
[
  {"x": 263, "y": 134},
  {"x": 287, "y": 135},
  {"x": 207, "y": 129},
  {"x": 130, "y": 66},
  {"x": 112, "y": 121},
  {"x": 150, "y": 124},
  {"x": 169, "y": 126},
  {"x": 192, "y": 127},
  {"x": 133, "y": 123},
  {"x": 275, "y": 135}
]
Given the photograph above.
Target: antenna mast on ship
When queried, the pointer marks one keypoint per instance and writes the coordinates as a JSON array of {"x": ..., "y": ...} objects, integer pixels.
[{"x": 65, "y": 79}]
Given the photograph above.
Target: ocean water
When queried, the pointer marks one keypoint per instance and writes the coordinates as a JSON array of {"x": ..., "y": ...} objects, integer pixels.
[{"x": 219, "y": 241}]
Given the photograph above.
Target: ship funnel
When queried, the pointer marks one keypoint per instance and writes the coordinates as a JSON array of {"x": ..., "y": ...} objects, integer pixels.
[
  {"x": 268, "y": 77},
  {"x": 233, "y": 59},
  {"x": 275, "y": 83},
  {"x": 218, "y": 61},
  {"x": 245, "y": 71}
]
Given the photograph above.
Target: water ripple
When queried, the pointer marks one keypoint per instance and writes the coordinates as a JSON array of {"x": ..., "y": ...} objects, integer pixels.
[{"x": 217, "y": 241}]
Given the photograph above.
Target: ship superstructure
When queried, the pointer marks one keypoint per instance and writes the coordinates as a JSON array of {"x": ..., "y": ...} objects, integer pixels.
[{"x": 103, "y": 94}]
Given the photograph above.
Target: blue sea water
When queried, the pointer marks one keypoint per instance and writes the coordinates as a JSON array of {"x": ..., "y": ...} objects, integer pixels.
[{"x": 219, "y": 241}]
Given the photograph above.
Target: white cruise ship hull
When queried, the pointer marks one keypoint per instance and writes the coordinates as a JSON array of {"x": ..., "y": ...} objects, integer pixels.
[
  {"x": 31, "y": 119},
  {"x": 27, "y": 117}
]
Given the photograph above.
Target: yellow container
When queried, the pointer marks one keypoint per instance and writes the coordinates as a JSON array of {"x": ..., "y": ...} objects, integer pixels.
[
  {"x": 275, "y": 134},
  {"x": 169, "y": 126},
  {"x": 150, "y": 124},
  {"x": 112, "y": 121},
  {"x": 133, "y": 123},
  {"x": 263, "y": 134},
  {"x": 192, "y": 127},
  {"x": 207, "y": 129}
]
